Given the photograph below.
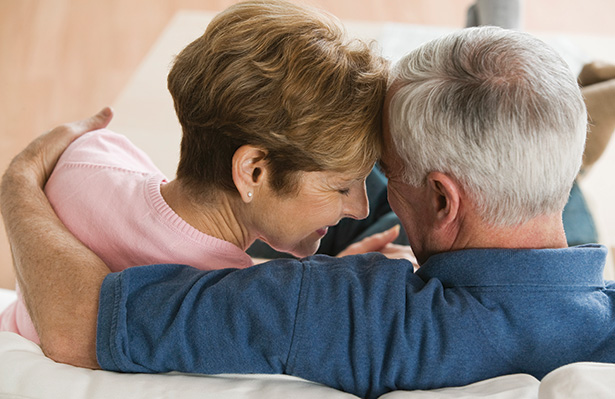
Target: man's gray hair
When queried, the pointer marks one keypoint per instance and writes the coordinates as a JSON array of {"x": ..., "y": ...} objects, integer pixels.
[{"x": 498, "y": 110}]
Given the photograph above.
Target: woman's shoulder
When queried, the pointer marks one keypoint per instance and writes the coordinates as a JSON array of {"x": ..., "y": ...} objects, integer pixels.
[{"x": 106, "y": 149}]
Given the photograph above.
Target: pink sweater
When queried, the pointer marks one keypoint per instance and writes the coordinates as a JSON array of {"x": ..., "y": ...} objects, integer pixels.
[{"x": 107, "y": 192}]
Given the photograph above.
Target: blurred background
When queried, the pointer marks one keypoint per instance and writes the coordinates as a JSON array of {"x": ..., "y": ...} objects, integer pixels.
[{"x": 62, "y": 60}]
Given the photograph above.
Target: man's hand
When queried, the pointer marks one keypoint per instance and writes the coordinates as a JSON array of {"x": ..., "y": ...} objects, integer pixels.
[
  {"x": 59, "y": 277},
  {"x": 39, "y": 158}
]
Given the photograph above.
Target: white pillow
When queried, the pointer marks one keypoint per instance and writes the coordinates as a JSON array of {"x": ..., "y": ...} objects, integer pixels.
[
  {"x": 514, "y": 386},
  {"x": 26, "y": 373},
  {"x": 579, "y": 380}
]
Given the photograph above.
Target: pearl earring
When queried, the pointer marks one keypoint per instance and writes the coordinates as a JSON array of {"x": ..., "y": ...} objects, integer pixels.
[{"x": 249, "y": 194}]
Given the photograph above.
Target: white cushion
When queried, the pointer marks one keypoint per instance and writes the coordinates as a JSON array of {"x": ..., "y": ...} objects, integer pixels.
[
  {"x": 514, "y": 386},
  {"x": 579, "y": 380},
  {"x": 26, "y": 373}
]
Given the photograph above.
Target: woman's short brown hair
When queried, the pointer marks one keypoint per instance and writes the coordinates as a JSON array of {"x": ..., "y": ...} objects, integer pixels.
[{"x": 282, "y": 77}]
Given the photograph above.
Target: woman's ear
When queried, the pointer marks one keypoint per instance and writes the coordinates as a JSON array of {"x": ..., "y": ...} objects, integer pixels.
[
  {"x": 249, "y": 171},
  {"x": 446, "y": 199}
]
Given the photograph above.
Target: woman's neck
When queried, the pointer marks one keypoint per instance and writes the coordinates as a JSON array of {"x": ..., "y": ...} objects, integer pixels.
[{"x": 217, "y": 218}]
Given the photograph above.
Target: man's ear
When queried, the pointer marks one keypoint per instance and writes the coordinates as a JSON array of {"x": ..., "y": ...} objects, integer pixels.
[
  {"x": 249, "y": 171},
  {"x": 446, "y": 198}
]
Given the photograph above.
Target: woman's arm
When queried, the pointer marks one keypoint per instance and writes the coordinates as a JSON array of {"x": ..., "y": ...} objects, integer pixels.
[{"x": 59, "y": 277}]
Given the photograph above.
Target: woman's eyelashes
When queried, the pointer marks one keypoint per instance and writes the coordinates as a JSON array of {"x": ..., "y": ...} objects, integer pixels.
[{"x": 344, "y": 191}]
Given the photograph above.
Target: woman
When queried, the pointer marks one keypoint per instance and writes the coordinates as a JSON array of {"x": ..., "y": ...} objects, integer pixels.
[{"x": 281, "y": 125}]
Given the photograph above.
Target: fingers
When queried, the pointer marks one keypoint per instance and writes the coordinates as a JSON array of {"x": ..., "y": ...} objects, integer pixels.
[
  {"x": 395, "y": 251},
  {"x": 97, "y": 121},
  {"x": 380, "y": 240},
  {"x": 66, "y": 133},
  {"x": 51, "y": 145},
  {"x": 39, "y": 158},
  {"x": 73, "y": 130},
  {"x": 372, "y": 243}
]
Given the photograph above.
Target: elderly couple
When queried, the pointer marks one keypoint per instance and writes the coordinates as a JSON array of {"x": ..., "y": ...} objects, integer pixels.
[{"x": 480, "y": 134}]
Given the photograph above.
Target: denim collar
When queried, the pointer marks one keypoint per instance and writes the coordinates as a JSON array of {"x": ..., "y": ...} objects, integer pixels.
[{"x": 574, "y": 266}]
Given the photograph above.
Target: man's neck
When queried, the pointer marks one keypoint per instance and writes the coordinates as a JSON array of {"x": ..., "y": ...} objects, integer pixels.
[
  {"x": 546, "y": 231},
  {"x": 217, "y": 219}
]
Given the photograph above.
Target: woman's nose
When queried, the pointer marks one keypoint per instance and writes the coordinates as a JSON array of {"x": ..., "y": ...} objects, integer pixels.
[{"x": 357, "y": 205}]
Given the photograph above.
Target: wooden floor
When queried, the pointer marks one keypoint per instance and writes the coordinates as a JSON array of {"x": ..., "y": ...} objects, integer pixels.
[{"x": 61, "y": 60}]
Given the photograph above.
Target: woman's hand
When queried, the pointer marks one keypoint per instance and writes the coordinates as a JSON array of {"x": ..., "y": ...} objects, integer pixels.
[{"x": 383, "y": 243}]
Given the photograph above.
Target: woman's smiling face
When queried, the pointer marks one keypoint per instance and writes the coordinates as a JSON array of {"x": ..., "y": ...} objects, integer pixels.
[{"x": 297, "y": 222}]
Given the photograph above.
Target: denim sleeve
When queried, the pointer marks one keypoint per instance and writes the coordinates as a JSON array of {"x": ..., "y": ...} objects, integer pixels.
[
  {"x": 362, "y": 324},
  {"x": 164, "y": 318}
]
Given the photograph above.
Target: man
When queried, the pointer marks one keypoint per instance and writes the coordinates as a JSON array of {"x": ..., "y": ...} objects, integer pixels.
[{"x": 484, "y": 133}]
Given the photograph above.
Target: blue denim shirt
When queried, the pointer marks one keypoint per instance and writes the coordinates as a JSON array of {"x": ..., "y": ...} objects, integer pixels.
[{"x": 365, "y": 324}]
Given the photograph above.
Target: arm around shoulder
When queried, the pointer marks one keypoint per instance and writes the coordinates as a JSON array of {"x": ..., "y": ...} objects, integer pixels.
[
  {"x": 59, "y": 277},
  {"x": 211, "y": 322}
]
